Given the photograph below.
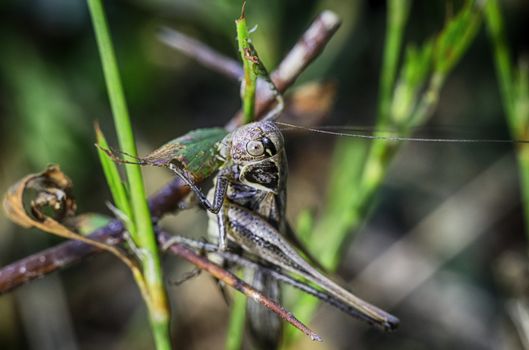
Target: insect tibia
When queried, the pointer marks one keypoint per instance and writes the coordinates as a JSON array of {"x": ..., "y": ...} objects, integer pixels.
[
  {"x": 219, "y": 191},
  {"x": 260, "y": 238}
]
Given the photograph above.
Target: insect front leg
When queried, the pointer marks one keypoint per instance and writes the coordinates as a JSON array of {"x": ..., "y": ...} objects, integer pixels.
[
  {"x": 222, "y": 235},
  {"x": 217, "y": 195},
  {"x": 220, "y": 189},
  {"x": 213, "y": 204}
]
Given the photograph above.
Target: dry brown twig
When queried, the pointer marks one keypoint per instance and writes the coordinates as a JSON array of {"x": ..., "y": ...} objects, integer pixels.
[
  {"x": 201, "y": 53},
  {"x": 233, "y": 281},
  {"x": 243, "y": 261}
]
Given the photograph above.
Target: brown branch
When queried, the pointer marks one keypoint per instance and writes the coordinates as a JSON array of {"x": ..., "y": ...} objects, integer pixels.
[
  {"x": 70, "y": 252},
  {"x": 233, "y": 281},
  {"x": 201, "y": 52},
  {"x": 310, "y": 45},
  {"x": 278, "y": 275},
  {"x": 167, "y": 199},
  {"x": 40, "y": 264}
]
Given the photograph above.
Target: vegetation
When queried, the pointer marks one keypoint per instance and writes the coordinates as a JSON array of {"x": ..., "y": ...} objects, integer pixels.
[{"x": 412, "y": 223}]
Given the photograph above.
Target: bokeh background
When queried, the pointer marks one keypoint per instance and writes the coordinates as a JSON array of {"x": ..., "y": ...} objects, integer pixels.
[{"x": 443, "y": 245}]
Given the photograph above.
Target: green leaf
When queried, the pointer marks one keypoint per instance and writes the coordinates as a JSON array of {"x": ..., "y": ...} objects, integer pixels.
[
  {"x": 456, "y": 36},
  {"x": 397, "y": 17},
  {"x": 151, "y": 282},
  {"x": 520, "y": 118},
  {"x": 113, "y": 178},
  {"x": 413, "y": 76}
]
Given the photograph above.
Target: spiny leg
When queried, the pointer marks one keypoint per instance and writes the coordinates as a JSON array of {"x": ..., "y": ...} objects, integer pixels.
[
  {"x": 221, "y": 186},
  {"x": 220, "y": 189},
  {"x": 260, "y": 238},
  {"x": 239, "y": 260},
  {"x": 221, "y": 224}
]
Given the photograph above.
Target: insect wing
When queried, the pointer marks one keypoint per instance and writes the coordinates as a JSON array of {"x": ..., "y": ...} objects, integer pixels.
[{"x": 196, "y": 153}]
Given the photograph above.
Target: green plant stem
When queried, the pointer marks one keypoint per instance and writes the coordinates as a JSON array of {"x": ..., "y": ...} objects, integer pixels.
[
  {"x": 376, "y": 161},
  {"x": 250, "y": 77},
  {"x": 110, "y": 169},
  {"x": 381, "y": 152},
  {"x": 236, "y": 322},
  {"x": 517, "y": 118},
  {"x": 345, "y": 213},
  {"x": 144, "y": 235},
  {"x": 502, "y": 58},
  {"x": 238, "y": 310},
  {"x": 355, "y": 182},
  {"x": 397, "y": 15}
]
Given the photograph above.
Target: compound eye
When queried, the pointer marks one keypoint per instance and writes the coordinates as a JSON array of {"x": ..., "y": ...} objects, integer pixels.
[{"x": 255, "y": 148}]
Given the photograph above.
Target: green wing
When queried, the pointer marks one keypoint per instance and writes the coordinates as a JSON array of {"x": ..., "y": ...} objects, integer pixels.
[{"x": 195, "y": 153}]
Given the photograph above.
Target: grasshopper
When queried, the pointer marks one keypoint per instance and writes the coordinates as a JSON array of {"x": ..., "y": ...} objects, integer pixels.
[{"x": 247, "y": 205}]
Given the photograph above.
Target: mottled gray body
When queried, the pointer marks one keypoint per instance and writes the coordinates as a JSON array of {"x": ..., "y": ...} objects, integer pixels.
[
  {"x": 266, "y": 198},
  {"x": 249, "y": 208}
]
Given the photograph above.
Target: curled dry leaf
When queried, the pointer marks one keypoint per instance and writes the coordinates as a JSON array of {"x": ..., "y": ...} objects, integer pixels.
[
  {"x": 50, "y": 200},
  {"x": 44, "y": 199}
]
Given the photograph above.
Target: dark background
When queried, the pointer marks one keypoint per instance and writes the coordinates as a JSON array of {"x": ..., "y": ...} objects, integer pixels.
[{"x": 459, "y": 290}]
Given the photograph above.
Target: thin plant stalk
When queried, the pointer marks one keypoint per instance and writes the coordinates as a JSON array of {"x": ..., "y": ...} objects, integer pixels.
[
  {"x": 248, "y": 89},
  {"x": 513, "y": 85},
  {"x": 335, "y": 220},
  {"x": 353, "y": 184},
  {"x": 144, "y": 234},
  {"x": 397, "y": 15},
  {"x": 250, "y": 77},
  {"x": 110, "y": 169},
  {"x": 236, "y": 323}
]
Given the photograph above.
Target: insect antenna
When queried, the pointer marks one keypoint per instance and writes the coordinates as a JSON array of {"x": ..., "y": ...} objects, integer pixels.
[
  {"x": 118, "y": 156},
  {"x": 365, "y": 133}
]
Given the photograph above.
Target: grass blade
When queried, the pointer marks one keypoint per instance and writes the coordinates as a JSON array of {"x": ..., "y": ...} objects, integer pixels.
[{"x": 144, "y": 233}]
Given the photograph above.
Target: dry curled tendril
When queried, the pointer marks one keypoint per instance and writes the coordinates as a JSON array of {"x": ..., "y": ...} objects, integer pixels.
[{"x": 44, "y": 201}]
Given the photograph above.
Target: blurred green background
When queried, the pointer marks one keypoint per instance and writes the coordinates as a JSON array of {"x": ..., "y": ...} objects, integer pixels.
[{"x": 442, "y": 245}]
